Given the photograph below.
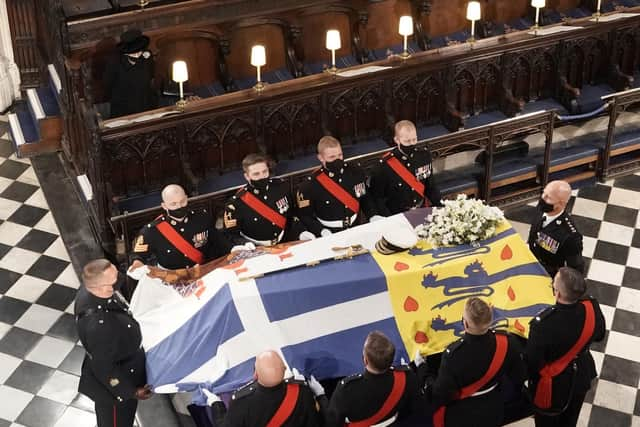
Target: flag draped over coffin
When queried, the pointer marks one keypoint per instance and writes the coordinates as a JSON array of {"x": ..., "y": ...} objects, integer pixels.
[{"x": 318, "y": 316}]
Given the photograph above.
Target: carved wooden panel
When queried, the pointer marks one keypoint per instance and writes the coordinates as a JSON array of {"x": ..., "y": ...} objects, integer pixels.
[
  {"x": 292, "y": 129},
  {"x": 419, "y": 99},
  {"x": 530, "y": 74},
  {"x": 586, "y": 61},
  {"x": 383, "y": 18},
  {"x": 24, "y": 36},
  {"x": 315, "y": 22},
  {"x": 357, "y": 112}
]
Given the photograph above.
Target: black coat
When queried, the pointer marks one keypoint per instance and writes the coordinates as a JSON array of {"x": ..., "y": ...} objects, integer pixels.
[
  {"x": 129, "y": 86},
  {"x": 114, "y": 364},
  {"x": 556, "y": 245},
  {"x": 392, "y": 195},
  {"x": 553, "y": 332}
]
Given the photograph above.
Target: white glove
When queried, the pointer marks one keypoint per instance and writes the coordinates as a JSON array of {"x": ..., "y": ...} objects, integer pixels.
[
  {"x": 315, "y": 386},
  {"x": 297, "y": 375},
  {"x": 249, "y": 246},
  {"x": 138, "y": 273},
  {"x": 306, "y": 235},
  {"x": 325, "y": 232},
  {"x": 376, "y": 218},
  {"x": 211, "y": 398},
  {"x": 418, "y": 359},
  {"x": 237, "y": 248}
]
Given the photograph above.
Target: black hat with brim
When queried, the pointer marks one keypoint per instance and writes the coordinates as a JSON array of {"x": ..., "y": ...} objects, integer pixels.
[{"x": 133, "y": 41}]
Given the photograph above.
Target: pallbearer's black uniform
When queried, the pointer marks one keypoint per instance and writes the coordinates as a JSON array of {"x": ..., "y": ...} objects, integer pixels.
[
  {"x": 262, "y": 216},
  {"x": 334, "y": 200},
  {"x": 402, "y": 182},
  {"x": 557, "y": 245},
  {"x": 289, "y": 404},
  {"x": 561, "y": 367},
  {"x": 179, "y": 244},
  {"x": 114, "y": 363},
  {"x": 466, "y": 391},
  {"x": 366, "y": 399}
]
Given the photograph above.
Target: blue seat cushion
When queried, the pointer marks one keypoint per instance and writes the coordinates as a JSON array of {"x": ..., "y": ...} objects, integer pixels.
[
  {"x": 458, "y": 180},
  {"x": 48, "y": 100},
  {"x": 138, "y": 203},
  {"x": 589, "y": 98},
  {"x": 207, "y": 91},
  {"x": 426, "y": 132},
  {"x": 385, "y": 52},
  {"x": 542, "y": 105},
  {"x": 566, "y": 151},
  {"x": 484, "y": 119},
  {"x": 513, "y": 167},
  {"x": 275, "y": 76},
  {"x": 342, "y": 62}
]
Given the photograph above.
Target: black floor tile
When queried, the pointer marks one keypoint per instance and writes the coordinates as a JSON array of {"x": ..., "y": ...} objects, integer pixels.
[
  {"x": 611, "y": 252},
  {"x": 621, "y": 215},
  {"x": 72, "y": 364},
  {"x": 599, "y": 193},
  {"x": 41, "y": 412},
  {"x": 12, "y": 169},
  {"x": 3, "y": 249},
  {"x": 636, "y": 408},
  {"x": 37, "y": 240},
  {"x": 605, "y": 293},
  {"x": 5, "y": 423},
  {"x": 635, "y": 242},
  {"x": 29, "y": 376},
  {"x": 6, "y": 149},
  {"x": 83, "y": 402},
  {"x": 18, "y": 191},
  {"x": 621, "y": 371},
  {"x": 629, "y": 182},
  {"x": 18, "y": 342},
  {"x": 586, "y": 226},
  {"x": 64, "y": 328},
  {"x": 28, "y": 215},
  {"x": 57, "y": 296},
  {"x": 591, "y": 394},
  {"x": 47, "y": 268},
  {"x": 7, "y": 279},
  {"x": 607, "y": 417},
  {"x": 626, "y": 322},
  {"x": 11, "y": 309},
  {"x": 631, "y": 278}
]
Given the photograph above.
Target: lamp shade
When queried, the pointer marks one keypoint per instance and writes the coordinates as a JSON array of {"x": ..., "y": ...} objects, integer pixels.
[
  {"x": 179, "y": 72},
  {"x": 333, "y": 40},
  {"x": 473, "y": 11},
  {"x": 537, "y": 3},
  {"x": 405, "y": 28},
  {"x": 258, "y": 56}
]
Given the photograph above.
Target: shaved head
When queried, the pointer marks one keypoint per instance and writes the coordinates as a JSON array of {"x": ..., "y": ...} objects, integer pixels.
[
  {"x": 269, "y": 368},
  {"x": 173, "y": 197},
  {"x": 557, "y": 193}
]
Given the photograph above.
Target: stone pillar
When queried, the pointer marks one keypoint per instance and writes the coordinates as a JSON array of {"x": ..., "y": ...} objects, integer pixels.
[{"x": 9, "y": 71}]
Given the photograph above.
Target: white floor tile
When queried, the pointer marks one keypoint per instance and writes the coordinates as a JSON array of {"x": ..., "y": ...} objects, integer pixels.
[
  {"x": 606, "y": 272},
  {"x": 608, "y": 313},
  {"x": 4, "y": 328},
  {"x": 11, "y": 233},
  {"x": 74, "y": 417},
  {"x": 588, "y": 246},
  {"x": 8, "y": 364},
  {"x": 24, "y": 160},
  {"x": 615, "y": 396},
  {"x": 58, "y": 250},
  {"x": 69, "y": 278},
  {"x": 598, "y": 358},
  {"x": 38, "y": 318},
  {"x": 629, "y": 299},
  {"x": 29, "y": 177},
  {"x": 28, "y": 288},
  {"x": 4, "y": 183},
  {"x": 50, "y": 351},
  {"x": 626, "y": 198},
  {"x": 633, "y": 260},
  {"x": 623, "y": 345},
  {"x": 8, "y": 207},
  {"x": 13, "y": 402},
  {"x": 527, "y": 422},
  {"x": 37, "y": 199},
  {"x": 61, "y": 387},
  {"x": 47, "y": 223},
  {"x": 589, "y": 208},
  {"x": 615, "y": 233},
  {"x": 635, "y": 421},
  {"x": 19, "y": 260},
  {"x": 585, "y": 413}
]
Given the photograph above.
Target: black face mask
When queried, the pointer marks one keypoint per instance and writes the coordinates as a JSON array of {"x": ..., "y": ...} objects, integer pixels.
[
  {"x": 178, "y": 213},
  {"x": 544, "y": 206},
  {"x": 408, "y": 149},
  {"x": 335, "y": 165},
  {"x": 260, "y": 184}
]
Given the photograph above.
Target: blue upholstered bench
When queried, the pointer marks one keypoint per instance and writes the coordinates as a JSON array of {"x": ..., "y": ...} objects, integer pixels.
[
  {"x": 484, "y": 118},
  {"x": 275, "y": 76},
  {"x": 459, "y": 180},
  {"x": 343, "y": 62},
  {"x": 385, "y": 52},
  {"x": 589, "y": 98}
]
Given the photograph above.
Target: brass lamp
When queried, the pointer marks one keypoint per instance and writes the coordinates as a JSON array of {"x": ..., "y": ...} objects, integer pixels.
[
  {"x": 180, "y": 75},
  {"x": 258, "y": 59},
  {"x": 333, "y": 43},
  {"x": 538, "y": 4},
  {"x": 597, "y": 14},
  {"x": 473, "y": 15},
  {"x": 143, "y": 3},
  {"x": 405, "y": 28}
]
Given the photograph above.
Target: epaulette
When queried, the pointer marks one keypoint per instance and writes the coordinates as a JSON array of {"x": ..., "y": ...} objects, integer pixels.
[
  {"x": 316, "y": 172},
  {"x": 244, "y": 391},
  {"x": 350, "y": 378},
  {"x": 453, "y": 347},
  {"x": 401, "y": 368},
  {"x": 292, "y": 380},
  {"x": 240, "y": 192},
  {"x": 570, "y": 224},
  {"x": 156, "y": 221},
  {"x": 387, "y": 155},
  {"x": 543, "y": 314}
]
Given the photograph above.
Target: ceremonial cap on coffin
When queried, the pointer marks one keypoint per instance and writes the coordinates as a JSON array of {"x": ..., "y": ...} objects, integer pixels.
[{"x": 394, "y": 241}]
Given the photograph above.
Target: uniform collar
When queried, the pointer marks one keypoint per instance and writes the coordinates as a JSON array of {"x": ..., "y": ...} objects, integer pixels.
[{"x": 550, "y": 219}]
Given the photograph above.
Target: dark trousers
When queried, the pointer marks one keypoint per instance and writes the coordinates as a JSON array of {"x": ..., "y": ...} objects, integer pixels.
[
  {"x": 568, "y": 418},
  {"x": 116, "y": 415}
]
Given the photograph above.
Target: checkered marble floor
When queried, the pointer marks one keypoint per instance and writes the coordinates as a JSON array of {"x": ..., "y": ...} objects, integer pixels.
[
  {"x": 40, "y": 358},
  {"x": 607, "y": 216}
]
